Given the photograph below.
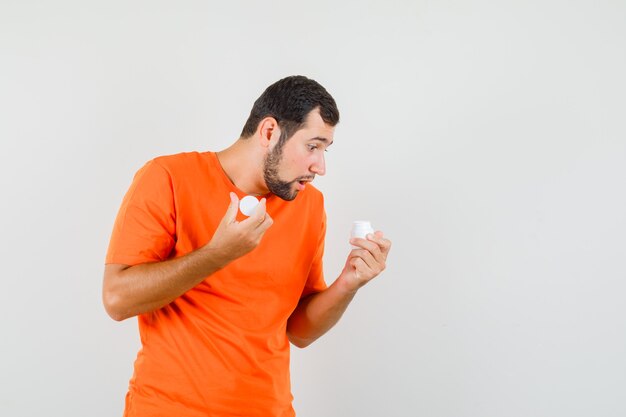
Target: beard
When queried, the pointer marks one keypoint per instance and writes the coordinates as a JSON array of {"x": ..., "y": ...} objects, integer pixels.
[{"x": 277, "y": 186}]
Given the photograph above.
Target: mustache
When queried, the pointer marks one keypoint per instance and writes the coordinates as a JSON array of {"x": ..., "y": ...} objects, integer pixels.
[{"x": 305, "y": 178}]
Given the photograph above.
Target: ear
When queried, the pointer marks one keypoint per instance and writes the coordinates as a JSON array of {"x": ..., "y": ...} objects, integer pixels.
[{"x": 268, "y": 131}]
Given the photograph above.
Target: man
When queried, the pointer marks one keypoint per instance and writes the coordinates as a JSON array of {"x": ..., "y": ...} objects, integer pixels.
[{"x": 219, "y": 296}]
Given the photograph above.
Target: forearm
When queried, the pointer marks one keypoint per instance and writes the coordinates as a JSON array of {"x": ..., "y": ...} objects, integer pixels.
[
  {"x": 129, "y": 291},
  {"x": 318, "y": 313}
]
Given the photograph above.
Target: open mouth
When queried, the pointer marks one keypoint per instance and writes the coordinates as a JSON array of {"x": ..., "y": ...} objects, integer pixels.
[{"x": 302, "y": 183}]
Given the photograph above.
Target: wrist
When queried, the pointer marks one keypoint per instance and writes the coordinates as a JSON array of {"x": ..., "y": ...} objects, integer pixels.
[
  {"x": 214, "y": 258},
  {"x": 347, "y": 284}
]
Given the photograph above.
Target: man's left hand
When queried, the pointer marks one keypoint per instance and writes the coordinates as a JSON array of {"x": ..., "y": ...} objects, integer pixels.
[{"x": 367, "y": 261}]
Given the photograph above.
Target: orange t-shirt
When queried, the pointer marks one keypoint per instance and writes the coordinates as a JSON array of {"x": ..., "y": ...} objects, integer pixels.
[{"x": 221, "y": 348}]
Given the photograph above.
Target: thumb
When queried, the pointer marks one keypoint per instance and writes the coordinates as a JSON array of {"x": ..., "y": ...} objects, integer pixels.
[
  {"x": 231, "y": 212},
  {"x": 260, "y": 210}
]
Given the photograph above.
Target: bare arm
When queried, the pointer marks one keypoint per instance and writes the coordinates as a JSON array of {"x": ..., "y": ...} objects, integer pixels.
[
  {"x": 131, "y": 290},
  {"x": 318, "y": 313}
]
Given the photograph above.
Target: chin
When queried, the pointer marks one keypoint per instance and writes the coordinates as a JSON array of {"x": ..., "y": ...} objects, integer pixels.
[
  {"x": 291, "y": 196},
  {"x": 284, "y": 192}
]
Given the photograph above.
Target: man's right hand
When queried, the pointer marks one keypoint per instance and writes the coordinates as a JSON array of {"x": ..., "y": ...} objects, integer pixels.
[
  {"x": 233, "y": 239},
  {"x": 131, "y": 290}
]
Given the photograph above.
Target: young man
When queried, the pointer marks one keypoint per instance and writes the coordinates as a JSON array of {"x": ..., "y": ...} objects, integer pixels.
[{"x": 219, "y": 295}]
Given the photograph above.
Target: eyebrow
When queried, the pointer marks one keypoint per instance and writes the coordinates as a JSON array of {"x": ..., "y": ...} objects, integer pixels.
[{"x": 324, "y": 140}]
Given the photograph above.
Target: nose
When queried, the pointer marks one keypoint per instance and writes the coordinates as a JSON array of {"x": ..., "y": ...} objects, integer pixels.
[{"x": 319, "y": 165}]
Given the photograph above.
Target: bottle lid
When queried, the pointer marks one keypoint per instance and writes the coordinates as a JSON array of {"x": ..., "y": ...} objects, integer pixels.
[{"x": 248, "y": 204}]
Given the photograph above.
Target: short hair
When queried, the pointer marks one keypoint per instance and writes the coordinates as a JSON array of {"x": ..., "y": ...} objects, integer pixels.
[{"x": 289, "y": 101}]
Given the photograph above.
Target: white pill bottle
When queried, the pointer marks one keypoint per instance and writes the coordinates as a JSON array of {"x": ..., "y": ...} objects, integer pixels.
[{"x": 360, "y": 228}]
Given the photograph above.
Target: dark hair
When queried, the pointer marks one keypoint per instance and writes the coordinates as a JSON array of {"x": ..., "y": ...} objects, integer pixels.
[{"x": 289, "y": 101}]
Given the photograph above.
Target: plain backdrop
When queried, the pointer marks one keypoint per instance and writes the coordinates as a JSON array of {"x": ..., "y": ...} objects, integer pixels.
[{"x": 487, "y": 139}]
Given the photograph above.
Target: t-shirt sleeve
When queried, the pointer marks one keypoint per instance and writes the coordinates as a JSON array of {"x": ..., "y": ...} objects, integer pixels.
[
  {"x": 145, "y": 227},
  {"x": 315, "y": 281}
]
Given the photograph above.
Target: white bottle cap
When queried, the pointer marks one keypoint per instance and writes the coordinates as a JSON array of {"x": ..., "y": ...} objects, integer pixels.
[{"x": 248, "y": 204}]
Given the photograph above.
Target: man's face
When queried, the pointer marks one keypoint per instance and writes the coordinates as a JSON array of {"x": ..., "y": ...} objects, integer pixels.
[{"x": 288, "y": 168}]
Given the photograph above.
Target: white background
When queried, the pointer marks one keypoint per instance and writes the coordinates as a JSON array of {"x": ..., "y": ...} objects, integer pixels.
[{"x": 486, "y": 138}]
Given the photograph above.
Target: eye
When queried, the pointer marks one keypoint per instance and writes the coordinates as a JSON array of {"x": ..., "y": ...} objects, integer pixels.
[{"x": 312, "y": 147}]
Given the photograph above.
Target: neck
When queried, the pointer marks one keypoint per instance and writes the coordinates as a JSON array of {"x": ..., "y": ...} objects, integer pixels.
[{"x": 243, "y": 164}]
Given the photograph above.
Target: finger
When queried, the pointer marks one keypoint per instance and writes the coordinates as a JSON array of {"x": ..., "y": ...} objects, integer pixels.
[
  {"x": 384, "y": 243},
  {"x": 360, "y": 268},
  {"x": 368, "y": 244},
  {"x": 266, "y": 223},
  {"x": 368, "y": 259},
  {"x": 231, "y": 212},
  {"x": 381, "y": 241},
  {"x": 258, "y": 215}
]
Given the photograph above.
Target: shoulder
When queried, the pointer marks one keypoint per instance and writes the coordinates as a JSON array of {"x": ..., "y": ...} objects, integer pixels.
[
  {"x": 168, "y": 168},
  {"x": 181, "y": 165},
  {"x": 179, "y": 161}
]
